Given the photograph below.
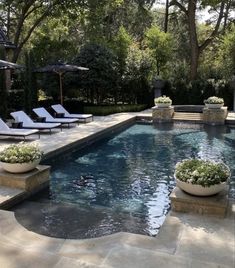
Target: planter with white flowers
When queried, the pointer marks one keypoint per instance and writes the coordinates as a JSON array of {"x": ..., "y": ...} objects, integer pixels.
[
  {"x": 163, "y": 102},
  {"x": 214, "y": 102},
  {"x": 20, "y": 158},
  {"x": 201, "y": 177}
]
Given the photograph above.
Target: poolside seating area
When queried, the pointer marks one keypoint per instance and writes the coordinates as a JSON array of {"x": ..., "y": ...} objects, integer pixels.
[
  {"x": 24, "y": 125},
  {"x": 45, "y": 121}
]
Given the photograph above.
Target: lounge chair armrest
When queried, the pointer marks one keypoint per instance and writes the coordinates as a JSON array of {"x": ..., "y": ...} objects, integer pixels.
[
  {"x": 40, "y": 119},
  {"x": 59, "y": 115},
  {"x": 17, "y": 124}
]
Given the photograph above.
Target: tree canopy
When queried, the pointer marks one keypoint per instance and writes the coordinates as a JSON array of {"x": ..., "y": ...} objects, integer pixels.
[{"x": 126, "y": 43}]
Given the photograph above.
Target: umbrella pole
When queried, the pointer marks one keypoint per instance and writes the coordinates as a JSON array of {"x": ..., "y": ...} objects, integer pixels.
[{"x": 61, "y": 89}]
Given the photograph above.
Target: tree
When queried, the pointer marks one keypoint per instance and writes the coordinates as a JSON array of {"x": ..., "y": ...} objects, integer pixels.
[
  {"x": 120, "y": 46},
  {"x": 102, "y": 19},
  {"x": 226, "y": 58},
  {"x": 3, "y": 90},
  {"x": 160, "y": 43},
  {"x": 189, "y": 8},
  {"x": 21, "y": 18},
  {"x": 50, "y": 40},
  {"x": 137, "y": 75},
  {"x": 101, "y": 78},
  {"x": 30, "y": 89}
]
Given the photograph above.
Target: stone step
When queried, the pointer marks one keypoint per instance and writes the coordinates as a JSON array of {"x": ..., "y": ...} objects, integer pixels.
[
  {"x": 10, "y": 196},
  {"x": 180, "y": 116}
]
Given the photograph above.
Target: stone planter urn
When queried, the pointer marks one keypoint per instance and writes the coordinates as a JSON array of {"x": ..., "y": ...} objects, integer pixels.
[
  {"x": 19, "y": 167},
  {"x": 214, "y": 105},
  {"x": 201, "y": 177},
  {"x": 199, "y": 190},
  {"x": 163, "y": 105},
  {"x": 20, "y": 158}
]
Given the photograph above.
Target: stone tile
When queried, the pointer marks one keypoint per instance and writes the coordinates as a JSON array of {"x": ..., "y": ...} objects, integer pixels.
[
  {"x": 208, "y": 251},
  {"x": 16, "y": 235},
  {"x": 72, "y": 263},
  {"x": 199, "y": 264},
  {"x": 127, "y": 257},
  {"x": 93, "y": 251},
  {"x": 13, "y": 257},
  {"x": 106, "y": 242},
  {"x": 165, "y": 241},
  {"x": 208, "y": 227},
  {"x": 9, "y": 195}
]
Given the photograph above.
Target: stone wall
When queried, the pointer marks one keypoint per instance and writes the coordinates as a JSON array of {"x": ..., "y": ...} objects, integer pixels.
[
  {"x": 215, "y": 116},
  {"x": 162, "y": 114}
]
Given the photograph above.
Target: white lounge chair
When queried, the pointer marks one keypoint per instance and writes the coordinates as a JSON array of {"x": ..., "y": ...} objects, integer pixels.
[
  {"x": 42, "y": 112},
  {"x": 59, "y": 109},
  {"x": 27, "y": 122},
  {"x": 15, "y": 132}
]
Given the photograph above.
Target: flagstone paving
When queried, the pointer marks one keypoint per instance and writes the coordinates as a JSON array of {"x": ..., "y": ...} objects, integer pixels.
[{"x": 184, "y": 240}]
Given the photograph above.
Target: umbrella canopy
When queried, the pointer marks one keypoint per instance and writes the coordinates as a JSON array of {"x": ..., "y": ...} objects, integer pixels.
[
  {"x": 4, "y": 65},
  {"x": 61, "y": 69}
]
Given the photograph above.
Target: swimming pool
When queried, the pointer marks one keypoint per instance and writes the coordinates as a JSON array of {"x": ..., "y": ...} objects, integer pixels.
[{"x": 122, "y": 183}]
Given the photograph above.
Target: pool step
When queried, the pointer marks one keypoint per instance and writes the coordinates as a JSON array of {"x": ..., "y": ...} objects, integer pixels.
[
  {"x": 72, "y": 221},
  {"x": 180, "y": 116}
]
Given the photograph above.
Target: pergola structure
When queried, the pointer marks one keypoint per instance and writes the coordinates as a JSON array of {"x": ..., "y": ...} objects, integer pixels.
[
  {"x": 7, "y": 46},
  {"x": 5, "y": 42}
]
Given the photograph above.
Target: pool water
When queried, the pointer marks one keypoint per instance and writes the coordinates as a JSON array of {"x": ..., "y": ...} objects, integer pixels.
[{"x": 122, "y": 183}]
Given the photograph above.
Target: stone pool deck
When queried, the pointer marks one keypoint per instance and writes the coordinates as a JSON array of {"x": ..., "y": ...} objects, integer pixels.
[{"x": 184, "y": 240}]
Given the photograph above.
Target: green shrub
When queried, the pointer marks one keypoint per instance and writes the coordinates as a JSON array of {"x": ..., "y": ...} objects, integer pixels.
[
  {"x": 106, "y": 110},
  {"x": 194, "y": 93}
]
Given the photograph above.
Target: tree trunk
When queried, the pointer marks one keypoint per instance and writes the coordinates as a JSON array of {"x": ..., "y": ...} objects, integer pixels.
[
  {"x": 193, "y": 39},
  {"x": 166, "y": 17}
]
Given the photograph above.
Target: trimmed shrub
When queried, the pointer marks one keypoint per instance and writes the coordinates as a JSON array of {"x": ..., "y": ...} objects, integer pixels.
[{"x": 106, "y": 110}]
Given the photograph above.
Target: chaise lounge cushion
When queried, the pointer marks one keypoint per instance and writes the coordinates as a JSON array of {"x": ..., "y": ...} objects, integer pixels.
[
  {"x": 6, "y": 131},
  {"x": 42, "y": 112},
  {"x": 28, "y": 122},
  {"x": 58, "y": 108}
]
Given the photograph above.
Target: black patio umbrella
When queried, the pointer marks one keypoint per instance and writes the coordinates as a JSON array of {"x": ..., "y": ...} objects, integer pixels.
[
  {"x": 61, "y": 69},
  {"x": 5, "y": 65}
]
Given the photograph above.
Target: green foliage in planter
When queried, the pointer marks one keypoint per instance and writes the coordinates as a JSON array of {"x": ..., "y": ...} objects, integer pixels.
[
  {"x": 201, "y": 172},
  {"x": 163, "y": 99},
  {"x": 214, "y": 100},
  {"x": 106, "y": 110},
  {"x": 20, "y": 153}
]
